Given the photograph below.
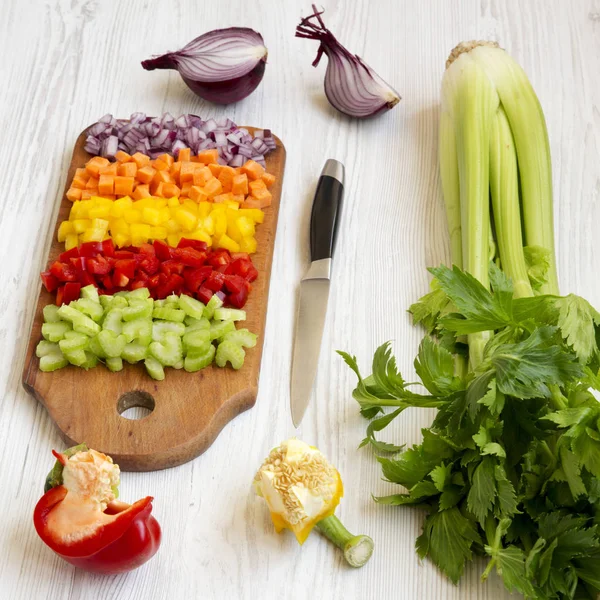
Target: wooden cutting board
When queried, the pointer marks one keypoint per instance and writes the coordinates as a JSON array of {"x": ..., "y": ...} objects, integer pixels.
[{"x": 188, "y": 409}]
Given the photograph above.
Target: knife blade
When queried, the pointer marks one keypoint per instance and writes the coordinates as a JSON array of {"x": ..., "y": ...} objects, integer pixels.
[{"x": 314, "y": 287}]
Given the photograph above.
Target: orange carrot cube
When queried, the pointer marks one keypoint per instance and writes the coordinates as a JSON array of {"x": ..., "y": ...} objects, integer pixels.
[
  {"x": 170, "y": 190},
  {"x": 239, "y": 198},
  {"x": 158, "y": 190},
  {"x": 213, "y": 188},
  {"x": 127, "y": 169},
  {"x": 122, "y": 157},
  {"x": 110, "y": 169},
  {"x": 175, "y": 170},
  {"x": 221, "y": 198},
  {"x": 74, "y": 193},
  {"x": 185, "y": 189},
  {"x": 209, "y": 157},
  {"x": 251, "y": 202},
  {"x": 87, "y": 194},
  {"x": 256, "y": 185},
  {"x": 162, "y": 177},
  {"x": 239, "y": 184},
  {"x": 94, "y": 165},
  {"x": 253, "y": 170},
  {"x": 141, "y": 191},
  {"x": 160, "y": 165},
  {"x": 184, "y": 155},
  {"x": 167, "y": 159},
  {"x": 145, "y": 174},
  {"x": 123, "y": 186},
  {"x": 263, "y": 196},
  {"x": 226, "y": 178},
  {"x": 186, "y": 172},
  {"x": 141, "y": 160},
  {"x": 268, "y": 179},
  {"x": 106, "y": 184},
  {"x": 197, "y": 194},
  {"x": 215, "y": 169},
  {"x": 202, "y": 176}
]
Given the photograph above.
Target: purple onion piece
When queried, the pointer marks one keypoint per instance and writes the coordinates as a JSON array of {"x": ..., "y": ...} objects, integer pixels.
[{"x": 221, "y": 66}]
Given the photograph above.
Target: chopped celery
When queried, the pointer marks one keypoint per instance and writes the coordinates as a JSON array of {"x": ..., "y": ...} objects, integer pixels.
[
  {"x": 193, "y": 324},
  {"x": 76, "y": 357},
  {"x": 54, "y": 332},
  {"x": 178, "y": 365},
  {"x": 91, "y": 360},
  {"x": 51, "y": 313},
  {"x": 169, "y": 314},
  {"x": 112, "y": 345},
  {"x": 114, "y": 364},
  {"x": 139, "y": 294},
  {"x": 172, "y": 301},
  {"x": 90, "y": 292},
  {"x": 229, "y": 314},
  {"x": 95, "y": 348},
  {"x": 78, "y": 341},
  {"x": 161, "y": 328},
  {"x": 220, "y": 328},
  {"x": 113, "y": 321},
  {"x": 241, "y": 337},
  {"x": 44, "y": 348},
  {"x": 110, "y": 302},
  {"x": 192, "y": 307},
  {"x": 52, "y": 362},
  {"x": 105, "y": 301},
  {"x": 159, "y": 304},
  {"x": 68, "y": 313},
  {"x": 134, "y": 352},
  {"x": 86, "y": 325},
  {"x": 230, "y": 352},
  {"x": 169, "y": 352},
  {"x": 140, "y": 329},
  {"x": 154, "y": 368},
  {"x": 214, "y": 303},
  {"x": 90, "y": 308},
  {"x": 139, "y": 309},
  {"x": 195, "y": 362},
  {"x": 197, "y": 340}
]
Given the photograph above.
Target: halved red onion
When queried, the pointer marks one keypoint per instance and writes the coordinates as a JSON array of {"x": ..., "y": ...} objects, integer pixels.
[
  {"x": 222, "y": 66},
  {"x": 156, "y": 135},
  {"x": 351, "y": 85}
]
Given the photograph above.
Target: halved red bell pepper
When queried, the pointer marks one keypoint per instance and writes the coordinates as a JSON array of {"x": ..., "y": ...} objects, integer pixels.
[{"x": 115, "y": 540}]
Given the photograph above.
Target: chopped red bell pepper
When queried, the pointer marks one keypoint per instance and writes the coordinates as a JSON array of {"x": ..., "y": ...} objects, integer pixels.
[
  {"x": 99, "y": 265},
  {"x": 187, "y": 243},
  {"x": 194, "y": 278},
  {"x": 50, "y": 281},
  {"x": 190, "y": 257},
  {"x": 63, "y": 271},
  {"x": 163, "y": 250},
  {"x": 68, "y": 254}
]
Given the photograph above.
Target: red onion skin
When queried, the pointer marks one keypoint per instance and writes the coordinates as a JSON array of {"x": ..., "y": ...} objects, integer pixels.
[{"x": 227, "y": 92}]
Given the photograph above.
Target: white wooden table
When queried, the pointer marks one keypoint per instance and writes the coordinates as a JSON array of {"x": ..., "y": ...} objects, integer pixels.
[{"x": 66, "y": 63}]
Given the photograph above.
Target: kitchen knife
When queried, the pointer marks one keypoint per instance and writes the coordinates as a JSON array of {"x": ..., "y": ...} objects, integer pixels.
[{"x": 314, "y": 287}]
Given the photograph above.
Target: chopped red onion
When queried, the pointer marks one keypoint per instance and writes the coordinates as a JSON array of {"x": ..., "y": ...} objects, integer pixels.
[{"x": 156, "y": 135}]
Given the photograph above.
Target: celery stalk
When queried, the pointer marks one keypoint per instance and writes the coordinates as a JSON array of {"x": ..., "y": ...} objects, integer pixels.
[{"x": 504, "y": 188}]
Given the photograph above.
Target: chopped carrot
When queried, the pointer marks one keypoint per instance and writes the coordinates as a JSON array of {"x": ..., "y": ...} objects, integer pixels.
[
  {"x": 175, "y": 170},
  {"x": 239, "y": 198},
  {"x": 122, "y": 157},
  {"x": 106, "y": 184},
  {"x": 141, "y": 191},
  {"x": 74, "y": 193},
  {"x": 197, "y": 194},
  {"x": 170, "y": 190},
  {"x": 94, "y": 165},
  {"x": 141, "y": 160},
  {"x": 226, "y": 178},
  {"x": 110, "y": 169},
  {"x": 92, "y": 183},
  {"x": 186, "y": 172},
  {"x": 239, "y": 184},
  {"x": 263, "y": 196},
  {"x": 162, "y": 177},
  {"x": 158, "y": 190},
  {"x": 128, "y": 169},
  {"x": 257, "y": 185},
  {"x": 215, "y": 169},
  {"x": 184, "y": 155},
  {"x": 107, "y": 196},
  {"x": 160, "y": 165},
  {"x": 213, "y": 188},
  {"x": 123, "y": 186},
  {"x": 80, "y": 179},
  {"x": 251, "y": 202},
  {"x": 202, "y": 176},
  {"x": 145, "y": 174},
  {"x": 87, "y": 194},
  {"x": 185, "y": 188},
  {"x": 209, "y": 157},
  {"x": 167, "y": 159},
  {"x": 223, "y": 198},
  {"x": 268, "y": 179},
  {"x": 253, "y": 170},
  {"x": 194, "y": 159}
]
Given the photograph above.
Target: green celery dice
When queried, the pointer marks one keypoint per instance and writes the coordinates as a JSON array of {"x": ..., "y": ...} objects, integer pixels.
[
  {"x": 77, "y": 341},
  {"x": 219, "y": 328},
  {"x": 91, "y": 360},
  {"x": 85, "y": 325},
  {"x": 139, "y": 294},
  {"x": 192, "y": 324},
  {"x": 112, "y": 345},
  {"x": 214, "y": 303},
  {"x": 52, "y": 362},
  {"x": 154, "y": 368},
  {"x": 90, "y": 308},
  {"x": 95, "y": 348},
  {"x": 90, "y": 292},
  {"x": 172, "y": 301},
  {"x": 110, "y": 302},
  {"x": 230, "y": 352},
  {"x": 138, "y": 309},
  {"x": 69, "y": 313},
  {"x": 229, "y": 314},
  {"x": 241, "y": 337},
  {"x": 169, "y": 352},
  {"x": 195, "y": 362},
  {"x": 178, "y": 365},
  {"x": 54, "y": 332},
  {"x": 161, "y": 328},
  {"x": 134, "y": 352},
  {"x": 169, "y": 314},
  {"x": 76, "y": 357},
  {"x": 114, "y": 364},
  {"x": 113, "y": 321},
  {"x": 51, "y": 313},
  {"x": 197, "y": 340},
  {"x": 192, "y": 307},
  {"x": 105, "y": 301},
  {"x": 140, "y": 329},
  {"x": 44, "y": 348}
]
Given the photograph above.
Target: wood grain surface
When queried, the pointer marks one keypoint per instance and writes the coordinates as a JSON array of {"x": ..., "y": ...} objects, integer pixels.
[
  {"x": 188, "y": 410},
  {"x": 67, "y": 62}
]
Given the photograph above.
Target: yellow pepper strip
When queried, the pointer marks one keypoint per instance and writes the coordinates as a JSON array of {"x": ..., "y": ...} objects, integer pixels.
[{"x": 135, "y": 222}]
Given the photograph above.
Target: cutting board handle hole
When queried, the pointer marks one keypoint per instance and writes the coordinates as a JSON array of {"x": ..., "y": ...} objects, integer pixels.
[{"x": 135, "y": 405}]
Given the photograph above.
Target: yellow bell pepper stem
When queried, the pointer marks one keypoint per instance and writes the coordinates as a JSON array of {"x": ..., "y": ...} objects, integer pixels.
[{"x": 357, "y": 549}]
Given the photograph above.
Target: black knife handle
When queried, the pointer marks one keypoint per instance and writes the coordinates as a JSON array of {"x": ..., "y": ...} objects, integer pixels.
[{"x": 326, "y": 211}]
